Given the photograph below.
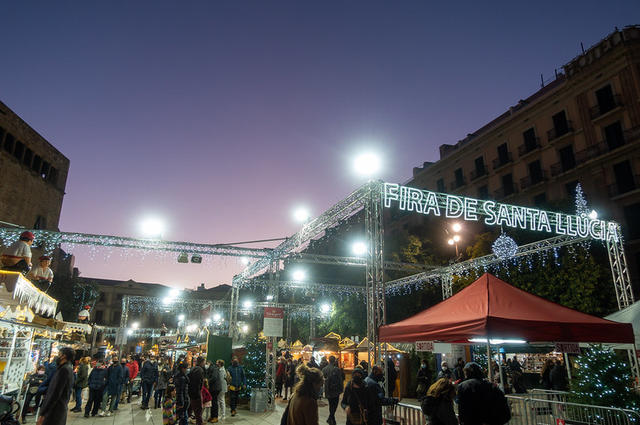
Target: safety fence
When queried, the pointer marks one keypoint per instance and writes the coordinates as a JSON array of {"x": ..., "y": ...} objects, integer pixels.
[
  {"x": 405, "y": 414},
  {"x": 526, "y": 410}
]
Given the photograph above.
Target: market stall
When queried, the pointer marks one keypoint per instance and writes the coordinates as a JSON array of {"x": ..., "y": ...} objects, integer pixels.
[{"x": 492, "y": 312}]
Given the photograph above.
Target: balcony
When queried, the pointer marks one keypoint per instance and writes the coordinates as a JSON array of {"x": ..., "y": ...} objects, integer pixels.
[
  {"x": 505, "y": 192},
  {"x": 529, "y": 147},
  {"x": 502, "y": 161},
  {"x": 559, "y": 168},
  {"x": 458, "y": 184},
  {"x": 477, "y": 173},
  {"x": 601, "y": 109},
  {"x": 620, "y": 188},
  {"x": 529, "y": 181},
  {"x": 555, "y": 133}
]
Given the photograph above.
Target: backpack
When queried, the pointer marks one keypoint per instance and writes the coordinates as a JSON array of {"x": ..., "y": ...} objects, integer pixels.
[
  {"x": 499, "y": 412},
  {"x": 334, "y": 381}
]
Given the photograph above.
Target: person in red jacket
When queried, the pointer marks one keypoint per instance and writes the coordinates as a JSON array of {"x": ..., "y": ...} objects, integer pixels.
[
  {"x": 133, "y": 372},
  {"x": 281, "y": 376},
  {"x": 206, "y": 402}
]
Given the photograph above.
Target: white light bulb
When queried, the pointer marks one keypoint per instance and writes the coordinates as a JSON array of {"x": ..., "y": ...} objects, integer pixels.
[
  {"x": 456, "y": 227},
  {"x": 359, "y": 248},
  {"x": 299, "y": 275},
  {"x": 367, "y": 164}
]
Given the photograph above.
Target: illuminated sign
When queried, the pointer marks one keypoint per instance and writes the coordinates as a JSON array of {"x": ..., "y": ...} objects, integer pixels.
[{"x": 496, "y": 214}]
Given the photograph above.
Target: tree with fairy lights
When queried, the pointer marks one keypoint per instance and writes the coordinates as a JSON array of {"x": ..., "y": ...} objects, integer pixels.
[
  {"x": 254, "y": 364},
  {"x": 603, "y": 379}
]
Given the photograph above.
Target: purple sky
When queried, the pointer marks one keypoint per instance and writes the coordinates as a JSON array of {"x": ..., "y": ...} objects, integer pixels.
[{"x": 222, "y": 115}]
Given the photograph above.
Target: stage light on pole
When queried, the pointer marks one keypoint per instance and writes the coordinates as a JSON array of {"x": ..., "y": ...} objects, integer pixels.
[
  {"x": 359, "y": 248},
  {"x": 367, "y": 164},
  {"x": 247, "y": 304},
  {"x": 299, "y": 275},
  {"x": 152, "y": 227},
  {"x": 301, "y": 214}
]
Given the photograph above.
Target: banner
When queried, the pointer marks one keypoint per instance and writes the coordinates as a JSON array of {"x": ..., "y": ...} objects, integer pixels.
[{"x": 273, "y": 321}]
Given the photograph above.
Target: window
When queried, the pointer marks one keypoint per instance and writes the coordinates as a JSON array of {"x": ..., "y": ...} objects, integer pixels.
[
  {"x": 2, "y": 133},
  {"x": 614, "y": 136},
  {"x": 480, "y": 170},
  {"x": 503, "y": 153},
  {"x": 624, "y": 177},
  {"x": 36, "y": 164},
  {"x": 440, "y": 185},
  {"x": 28, "y": 157},
  {"x": 535, "y": 172},
  {"x": 18, "y": 150},
  {"x": 53, "y": 175},
  {"x": 41, "y": 223},
  {"x": 99, "y": 316},
  {"x": 116, "y": 316},
  {"x": 530, "y": 140},
  {"x": 540, "y": 199},
  {"x": 483, "y": 192},
  {"x": 632, "y": 225},
  {"x": 567, "y": 159},
  {"x": 507, "y": 184},
  {"x": 102, "y": 298},
  {"x": 44, "y": 172},
  {"x": 605, "y": 99},
  {"x": 8, "y": 142},
  {"x": 571, "y": 188},
  {"x": 459, "y": 177},
  {"x": 560, "y": 124}
]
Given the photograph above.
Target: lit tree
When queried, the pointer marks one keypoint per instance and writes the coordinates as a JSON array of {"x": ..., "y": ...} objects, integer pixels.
[
  {"x": 254, "y": 363},
  {"x": 603, "y": 379},
  {"x": 581, "y": 202}
]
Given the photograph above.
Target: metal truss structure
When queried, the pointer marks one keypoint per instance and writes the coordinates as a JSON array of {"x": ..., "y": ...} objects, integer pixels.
[
  {"x": 376, "y": 306},
  {"x": 358, "y": 261},
  {"x": 50, "y": 240}
]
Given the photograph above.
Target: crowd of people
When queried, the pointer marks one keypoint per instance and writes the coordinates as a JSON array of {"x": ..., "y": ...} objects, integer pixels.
[{"x": 186, "y": 389}]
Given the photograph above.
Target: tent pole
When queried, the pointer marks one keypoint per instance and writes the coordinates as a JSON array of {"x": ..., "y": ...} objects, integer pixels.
[
  {"x": 567, "y": 365},
  {"x": 489, "y": 360},
  {"x": 500, "y": 370}
]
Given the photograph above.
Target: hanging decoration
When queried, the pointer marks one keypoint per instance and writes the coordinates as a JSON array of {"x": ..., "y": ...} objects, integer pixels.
[
  {"x": 504, "y": 247},
  {"x": 582, "y": 209}
]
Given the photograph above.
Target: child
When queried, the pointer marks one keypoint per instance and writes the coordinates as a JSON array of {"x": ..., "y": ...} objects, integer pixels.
[
  {"x": 42, "y": 274},
  {"x": 206, "y": 401},
  {"x": 169, "y": 406}
]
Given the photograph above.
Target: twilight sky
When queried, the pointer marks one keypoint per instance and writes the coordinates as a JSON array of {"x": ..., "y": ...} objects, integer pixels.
[{"x": 220, "y": 116}]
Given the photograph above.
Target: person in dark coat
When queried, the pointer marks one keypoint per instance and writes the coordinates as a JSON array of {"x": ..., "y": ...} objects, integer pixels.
[
  {"x": 82, "y": 379},
  {"x": 479, "y": 401},
  {"x": 357, "y": 399},
  {"x": 374, "y": 385},
  {"x": 54, "y": 407},
  {"x": 124, "y": 383},
  {"x": 559, "y": 377},
  {"x": 49, "y": 371},
  {"x": 392, "y": 375},
  {"x": 423, "y": 379},
  {"x": 545, "y": 374},
  {"x": 114, "y": 383},
  {"x": 97, "y": 383},
  {"x": 148, "y": 376},
  {"x": 212, "y": 372},
  {"x": 181, "y": 381},
  {"x": 333, "y": 387},
  {"x": 196, "y": 380},
  {"x": 438, "y": 403}
]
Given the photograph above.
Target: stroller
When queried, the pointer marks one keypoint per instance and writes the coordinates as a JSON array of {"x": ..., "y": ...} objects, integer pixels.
[{"x": 8, "y": 409}]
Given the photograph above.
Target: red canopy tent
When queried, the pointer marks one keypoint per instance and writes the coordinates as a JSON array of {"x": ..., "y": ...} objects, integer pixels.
[{"x": 490, "y": 307}]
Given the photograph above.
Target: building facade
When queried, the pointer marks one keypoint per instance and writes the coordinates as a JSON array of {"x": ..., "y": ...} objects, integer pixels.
[
  {"x": 582, "y": 127},
  {"x": 33, "y": 175}
]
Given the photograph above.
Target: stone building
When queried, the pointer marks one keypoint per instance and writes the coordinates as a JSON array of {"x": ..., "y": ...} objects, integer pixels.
[
  {"x": 33, "y": 175},
  {"x": 583, "y": 127}
]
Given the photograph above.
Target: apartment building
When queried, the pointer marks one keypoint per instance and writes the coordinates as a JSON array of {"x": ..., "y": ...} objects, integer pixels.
[{"x": 582, "y": 127}]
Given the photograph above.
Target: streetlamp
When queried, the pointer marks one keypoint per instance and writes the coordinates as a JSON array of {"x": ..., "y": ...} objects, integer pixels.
[{"x": 455, "y": 238}]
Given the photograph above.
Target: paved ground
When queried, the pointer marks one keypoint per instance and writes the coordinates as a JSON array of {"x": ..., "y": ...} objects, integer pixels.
[{"x": 131, "y": 414}]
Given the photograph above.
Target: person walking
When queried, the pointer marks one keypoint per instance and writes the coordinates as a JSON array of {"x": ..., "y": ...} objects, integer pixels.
[
  {"x": 148, "y": 376},
  {"x": 196, "y": 380},
  {"x": 423, "y": 379},
  {"x": 97, "y": 382},
  {"x": 161, "y": 385},
  {"x": 54, "y": 407},
  {"x": 134, "y": 368},
  {"x": 303, "y": 406},
  {"x": 238, "y": 381},
  {"x": 438, "y": 404},
  {"x": 374, "y": 385},
  {"x": 181, "y": 382},
  {"x": 114, "y": 383},
  {"x": 35, "y": 379},
  {"x": 333, "y": 387},
  {"x": 357, "y": 400},
  {"x": 224, "y": 380},
  {"x": 214, "y": 386},
  {"x": 122, "y": 389},
  {"x": 82, "y": 380},
  {"x": 290, "y": 379},
  {"x": 479, "y": 401}
]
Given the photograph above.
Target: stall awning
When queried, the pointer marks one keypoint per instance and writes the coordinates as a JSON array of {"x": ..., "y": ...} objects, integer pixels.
[
  {"x": 631, "y": 315},
  {"x": 491, "y": 307},
  {"x": 16, "y": 290}
]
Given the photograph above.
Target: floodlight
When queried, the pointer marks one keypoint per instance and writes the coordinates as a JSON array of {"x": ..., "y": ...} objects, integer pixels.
[
  {"x": 299, "y": 275},
  {"x": 247, "y": 304},
  {"x": 367, "y": 164},
  {"x": 174, "y": 292},
  {"x": 456, "y": 238},
  {"x": 152, "y": 227},
  {"x": 301, "y": 214},
  {"x": 216, "y": 317},
  {"x": 181, "y": 317},
  {"x": 359, "y": 248},
  {"x": 325, "y": 308},
  {"x": 167, "y": 300},
  {"x": 456, "y": 227},
  {"x": 208, "y": 321},
  {"x": 135, "y": 325},
  {"x": 593, "y": 214}
]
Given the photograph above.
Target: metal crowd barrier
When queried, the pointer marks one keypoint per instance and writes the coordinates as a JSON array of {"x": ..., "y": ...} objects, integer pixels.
[
  {"x": 405, "y": 414},
  {"x": 526, "y": 410}
]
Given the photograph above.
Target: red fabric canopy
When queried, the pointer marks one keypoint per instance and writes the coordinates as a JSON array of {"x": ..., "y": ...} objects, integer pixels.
[{"x": 492, "y": 307}]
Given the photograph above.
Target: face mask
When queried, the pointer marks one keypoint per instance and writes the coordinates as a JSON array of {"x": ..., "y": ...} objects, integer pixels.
[
  {"x": 206, "y": 366},
  {"x": 357, "y": 379},
  {"x": 424, "y": 366},
  {"x": 235, "y": 363},
  {"x": 41, "y": 372}
]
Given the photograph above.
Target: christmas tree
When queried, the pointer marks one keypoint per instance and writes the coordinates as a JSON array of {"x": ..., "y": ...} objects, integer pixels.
[
  {"x": 255, "y": 364},
  {"x": 603, "y": 379},
  {"x": 582, "y": 209}
]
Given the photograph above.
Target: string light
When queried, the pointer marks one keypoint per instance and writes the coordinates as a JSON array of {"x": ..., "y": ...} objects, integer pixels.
[{"x": 504, "y": 247}]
